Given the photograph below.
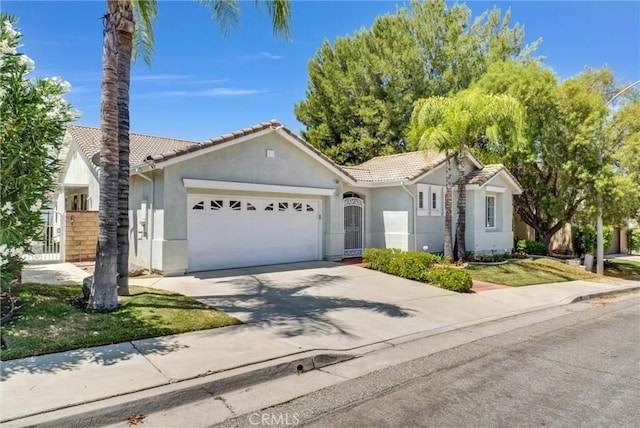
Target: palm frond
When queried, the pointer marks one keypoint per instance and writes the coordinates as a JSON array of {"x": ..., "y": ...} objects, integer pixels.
[
  {"x": 280, "y": 13},
  {"x": 145, "y": 13},
  {"x": 226, "y": 13}
]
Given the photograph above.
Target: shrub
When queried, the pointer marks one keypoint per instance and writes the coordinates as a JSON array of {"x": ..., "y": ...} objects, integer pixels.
[
  {"x": 531, "y": 247},
  {"x": 452, "y": 279},
  {"x": 379, "y": 258},
  {"x": 413, "y": 265},
  {"x": 633, "y": 240},
  {"x": 406, "y": 264},
  {"x": 33, "y": 117},
  {"x": 417, "y": 266},
  {"x": 585, "y": 238}
]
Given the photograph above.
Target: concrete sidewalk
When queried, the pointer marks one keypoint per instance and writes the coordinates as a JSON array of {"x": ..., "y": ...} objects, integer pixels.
[{"x": 275, "y": 331}]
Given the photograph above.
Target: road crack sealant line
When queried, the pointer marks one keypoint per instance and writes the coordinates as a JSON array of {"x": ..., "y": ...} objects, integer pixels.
[{"x": 226, "y": 404}]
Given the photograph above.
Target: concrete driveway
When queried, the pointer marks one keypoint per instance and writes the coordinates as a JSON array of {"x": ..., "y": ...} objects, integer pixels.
[
  {"x": 343, "y": 304},
  {"x": 326, "y": 305}
]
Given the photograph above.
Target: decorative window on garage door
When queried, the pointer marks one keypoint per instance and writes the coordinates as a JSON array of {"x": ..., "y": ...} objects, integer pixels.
[{"x": 216, "y": 204}]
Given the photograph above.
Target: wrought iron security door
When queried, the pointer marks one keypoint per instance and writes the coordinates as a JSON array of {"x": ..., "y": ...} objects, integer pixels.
[{"x": 353, "y": 226}]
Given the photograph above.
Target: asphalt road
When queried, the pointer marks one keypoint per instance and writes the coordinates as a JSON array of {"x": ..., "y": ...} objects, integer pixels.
[{"x": 578, "y": 370}]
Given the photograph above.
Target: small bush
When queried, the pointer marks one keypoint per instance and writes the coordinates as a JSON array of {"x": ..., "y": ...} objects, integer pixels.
[
  {"x": 531, "y": 247},
  {"x": 417, "y": 266},
  {"x": 379, "y": 258},
  {"x": 585, "y": 238},
  {"x": 406, "y": 264},
  {"x": 633, "y": 240},
  {"x": 452, "y": 279},
  {"x": 413, "y": 265}
]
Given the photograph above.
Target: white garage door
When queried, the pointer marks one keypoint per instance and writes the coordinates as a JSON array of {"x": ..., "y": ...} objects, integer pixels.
[{"x": 227, "y": 232}]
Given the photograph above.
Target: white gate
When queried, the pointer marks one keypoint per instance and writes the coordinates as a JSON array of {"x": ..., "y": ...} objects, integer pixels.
[
  {"x": 353, "y": 226},
  {"x": 47, "y": 248}
]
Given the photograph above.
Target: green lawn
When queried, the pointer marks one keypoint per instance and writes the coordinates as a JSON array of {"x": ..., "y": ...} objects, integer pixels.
[
  {"x": 624, "y": 267},
  {"x": 528, "y": 272},
  {"x": 51, "y": 318}
]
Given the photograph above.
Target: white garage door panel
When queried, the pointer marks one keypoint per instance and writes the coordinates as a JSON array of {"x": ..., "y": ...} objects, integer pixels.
[{"x": 231, "y": 232}]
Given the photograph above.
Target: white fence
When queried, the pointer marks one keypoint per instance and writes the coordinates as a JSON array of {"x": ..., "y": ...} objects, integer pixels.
[{"x": 48, "y": 250}]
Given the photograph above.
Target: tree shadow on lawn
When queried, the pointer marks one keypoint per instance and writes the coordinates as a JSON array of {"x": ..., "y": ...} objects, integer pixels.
[
  {"x": 105, "y": 352},
  {"x": 289, "y": 307}
]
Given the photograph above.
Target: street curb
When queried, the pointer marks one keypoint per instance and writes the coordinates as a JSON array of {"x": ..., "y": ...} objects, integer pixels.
[
  {"x": 604, "y": 293},
  {"x": 118, "y": 408}
]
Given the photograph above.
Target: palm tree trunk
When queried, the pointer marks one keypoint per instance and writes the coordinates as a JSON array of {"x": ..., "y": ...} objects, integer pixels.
[
  {"x": 125, "y": 28},
  {"x": 462, "y": 206},
  {"x": 103, "y": 295},
  {"x": 448, "y": 211}
]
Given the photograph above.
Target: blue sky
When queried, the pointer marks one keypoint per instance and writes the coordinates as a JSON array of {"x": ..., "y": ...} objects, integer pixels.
[{"x": 202, "y": 84}]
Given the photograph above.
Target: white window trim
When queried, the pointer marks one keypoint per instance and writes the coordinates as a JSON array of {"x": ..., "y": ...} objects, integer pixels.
[
  {"x": 486, "y": 212},
  {"x": 427, "y": 191},
  {"x": 494, "y": 189}
]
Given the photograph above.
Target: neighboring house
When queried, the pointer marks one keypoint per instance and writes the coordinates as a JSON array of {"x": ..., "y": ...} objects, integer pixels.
[{"x": 262, "y": 195}]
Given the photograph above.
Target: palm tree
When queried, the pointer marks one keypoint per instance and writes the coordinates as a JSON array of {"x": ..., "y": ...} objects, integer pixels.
[
  {"x": 129, "y": 24},
  {"x": 467, "y": 118},
  {"x": 103, "y": 295},
  {"x": 431, "y": 111}
]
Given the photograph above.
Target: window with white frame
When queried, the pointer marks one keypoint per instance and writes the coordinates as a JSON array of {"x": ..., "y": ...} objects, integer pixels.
[
  {"x": 430, "y": 198},
  {"x": 490, "y": 218}
]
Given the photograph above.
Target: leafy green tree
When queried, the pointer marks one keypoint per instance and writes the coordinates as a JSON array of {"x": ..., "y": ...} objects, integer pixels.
[
  {"x": 622, "y": 200},
  {"x": 129, "y": 24},
  {"x": 33, "y": 119},
  {"x": 564, "y": 163},
  {"x": 450, "y": 124},
  {"x": 361, "y": 91}
]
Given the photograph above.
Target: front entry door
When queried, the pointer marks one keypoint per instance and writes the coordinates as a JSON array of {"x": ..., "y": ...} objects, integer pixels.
[{"x": 353, "y": 226}]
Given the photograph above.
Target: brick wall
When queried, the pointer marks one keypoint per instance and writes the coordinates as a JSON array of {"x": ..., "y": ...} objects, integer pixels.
[{"x": 81, "y": 235}]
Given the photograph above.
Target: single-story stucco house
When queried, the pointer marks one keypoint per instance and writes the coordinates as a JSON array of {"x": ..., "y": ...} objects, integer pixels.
[{"x": 262, "y": 195}]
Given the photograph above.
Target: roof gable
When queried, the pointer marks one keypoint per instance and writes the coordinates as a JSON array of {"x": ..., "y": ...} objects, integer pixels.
[{"x": 480, "y": 177}]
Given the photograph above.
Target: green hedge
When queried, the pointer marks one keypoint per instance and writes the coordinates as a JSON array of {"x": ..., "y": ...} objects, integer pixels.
[
  {"x": 531, "y": 247},
  {"x": 417, "y": 266},
  {"x": 452, "y": 279},
  {"x": 585, "y": 238},
  {"x": 633, "y": 239}
]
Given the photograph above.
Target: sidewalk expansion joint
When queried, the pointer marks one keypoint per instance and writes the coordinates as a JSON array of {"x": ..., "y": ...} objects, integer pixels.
[{"x": 151, "y": 362}]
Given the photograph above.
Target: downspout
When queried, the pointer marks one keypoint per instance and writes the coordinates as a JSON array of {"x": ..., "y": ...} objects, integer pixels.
[
  {"x": 413, "y": 214},
  {"x": 151, "y": 213}
]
